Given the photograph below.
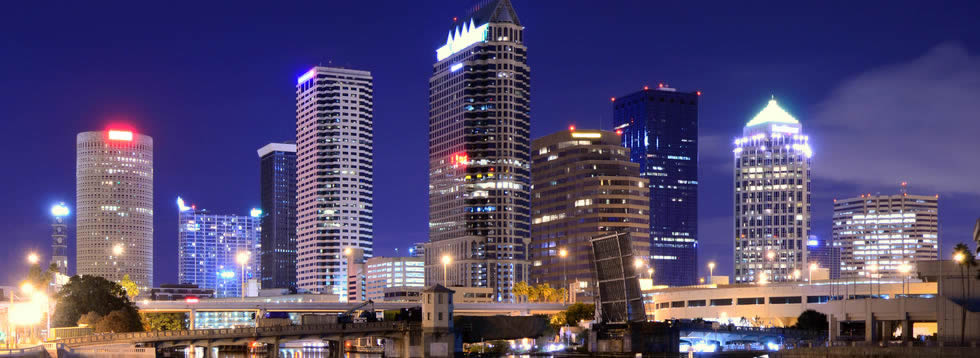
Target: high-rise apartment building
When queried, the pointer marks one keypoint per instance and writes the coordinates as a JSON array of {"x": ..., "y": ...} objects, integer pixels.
[
  {"x": 59, "y": 237},
  {"x": 881, "y": 235},
  {"x": 660, "y": 127},
  {"x": 209, "y": 247},
  {"x": 479, "y": 153},
  {"x": 277, "y": 162},
  {"x": 772, "y": 198},
  {"x": 393, "y": 272},
  {"x": 585, "y": 186},
  {"x": 334, "y": 174},
  {"x": 114, "y": 205}
]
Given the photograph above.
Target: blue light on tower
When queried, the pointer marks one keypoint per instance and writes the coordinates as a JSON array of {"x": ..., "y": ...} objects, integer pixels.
[{"x": 180, "y": 205}]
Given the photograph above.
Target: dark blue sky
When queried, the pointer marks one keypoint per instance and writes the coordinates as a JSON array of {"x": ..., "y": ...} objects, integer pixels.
[{"x": 885, "y": 89}]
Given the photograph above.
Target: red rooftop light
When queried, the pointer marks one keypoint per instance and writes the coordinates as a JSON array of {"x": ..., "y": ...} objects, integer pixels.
[
  {"x": 619, "y": 132},
  {"x": 192, "y": 300},
  {"x": 646, "y": 88},
  {"x": 571, "y": 128},
  {"x": 612, "y": 99}
]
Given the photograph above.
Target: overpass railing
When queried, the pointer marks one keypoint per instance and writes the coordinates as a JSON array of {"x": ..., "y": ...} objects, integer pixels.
[{"x": 191, "y": 334}]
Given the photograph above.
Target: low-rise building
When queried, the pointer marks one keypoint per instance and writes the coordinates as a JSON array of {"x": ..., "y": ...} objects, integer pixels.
[{"x": 172, "y": 292}]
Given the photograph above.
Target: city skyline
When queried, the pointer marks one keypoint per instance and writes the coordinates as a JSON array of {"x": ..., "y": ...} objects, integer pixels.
[{"x": 30, "y": 229}]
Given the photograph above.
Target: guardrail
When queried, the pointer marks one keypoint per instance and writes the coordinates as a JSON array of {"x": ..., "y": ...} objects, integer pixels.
[
  {"x": 243, "y": 332},
  {"x": 34, "y": 349}
]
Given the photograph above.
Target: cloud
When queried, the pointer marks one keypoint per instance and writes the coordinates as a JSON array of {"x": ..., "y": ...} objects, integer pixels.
[{"x": 917, "y": 121}]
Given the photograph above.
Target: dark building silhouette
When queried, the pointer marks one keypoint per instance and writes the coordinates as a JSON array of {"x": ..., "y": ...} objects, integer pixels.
[{"x": 278, "y": 238}]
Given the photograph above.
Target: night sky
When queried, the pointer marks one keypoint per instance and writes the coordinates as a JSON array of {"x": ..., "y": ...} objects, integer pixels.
[{"x": 887, "y": 91}]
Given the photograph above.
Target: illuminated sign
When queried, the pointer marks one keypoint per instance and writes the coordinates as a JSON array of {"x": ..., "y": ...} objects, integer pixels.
[
  {"x": 586, "y": 135},
  {"x": 462, "y": 38},
  {"x": 227, "y": 274},
  {"x": 59, "y": 210},
  {"x": 180, "y": 205},
  {"x": 306, "y": 76},
  {"x": 456, "y": 67},
  {"x": 812, "y": 242},
  {"x": 256, "y": 213},
  {"x": 458, "y": 159},
  {"x": 192, "y": 300},
  {"x": 785, "y": 129},
  {"x": 120, "y": 135}
]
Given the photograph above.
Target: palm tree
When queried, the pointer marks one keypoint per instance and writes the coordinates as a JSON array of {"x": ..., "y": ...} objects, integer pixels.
[
  {"x": 547, "y": 292},
  {"x": 533, "y": 293},
  {"x": 521, "y": 289},
  {"x": 562, "y": 294},
  {"x": 965, "y": 258}
]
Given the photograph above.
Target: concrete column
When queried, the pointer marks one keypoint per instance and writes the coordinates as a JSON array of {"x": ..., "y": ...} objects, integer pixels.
[
  {"x": 190, "y": 316},
  {"x": 273, "y": 351},
  {"x": 834, "y": 329},
  {"x": 869, "y": 328},
  {"x": 906, "y": 330}
]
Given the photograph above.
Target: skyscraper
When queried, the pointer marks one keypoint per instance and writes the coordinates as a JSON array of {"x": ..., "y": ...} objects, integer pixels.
[
  {"x": 825, "y": 255},
  {"x": 584, "y": 187},
  {"x": 479, "y": 153},
  {"x": 278, "y": 195},
  {"x": 208, "y": 247},
  {"x": 878, "y": 234},
  {"x": 59, "y": 237},
  {"x": 335, "y": 174},
  {"x": 114, "y": 205},
  {"x": 772, "y": 198},
  {"x": 660, "y": 127}
]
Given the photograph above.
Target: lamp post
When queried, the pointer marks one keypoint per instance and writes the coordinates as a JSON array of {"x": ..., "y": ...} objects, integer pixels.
[
  {"x": 564, "y": 270},
  {"x": 650, "y": 274},
  {"x": 445, "y": 263},
  {"x": 796, "y": 274},
  {"x": 959, "y": 257},
  {"x": 711, "y": 270},
  {"x": 242, "y": 259},
  {"x": 904, "y": 269},
  {"x": 32, "y": 258},
  {"x": 770, "y": 256},
  {"x": 809, "y": 273}
]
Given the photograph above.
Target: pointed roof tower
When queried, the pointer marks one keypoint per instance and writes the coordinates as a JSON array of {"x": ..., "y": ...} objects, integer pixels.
[
  {"x": 495, "y": 11},
  {"x": 773, "y": 113}
]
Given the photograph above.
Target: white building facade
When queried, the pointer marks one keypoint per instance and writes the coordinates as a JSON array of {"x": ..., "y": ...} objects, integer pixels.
[
  {"x": 114, "y": 205},
  {"x": 335, "y": 174},
  {"x": 772, "y": 198},
  {"x": 393, "y": 272}
]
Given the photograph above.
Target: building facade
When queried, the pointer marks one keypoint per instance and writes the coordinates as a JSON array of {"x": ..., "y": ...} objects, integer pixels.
[
  {"x": 772, "y": 198},
  {"x": 209, "y": 247},
  {"x": 335, "y": 174},
  {"x": 114, "y": 205},
  {"x": 882, "y": 235},
  {"x": 660, "y": 127},
  {"x": 585, "y": 186},
  {"x": 825, "y": 255},
  {"x": 59, "y": 237},
  {"x": 479, "y": 153},
  {"x": 278, "y": 195},
  {"x": 392, "y": 273}
]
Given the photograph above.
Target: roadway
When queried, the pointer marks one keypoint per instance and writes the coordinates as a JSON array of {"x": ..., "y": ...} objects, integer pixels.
[{"x": 459, "y": 309}]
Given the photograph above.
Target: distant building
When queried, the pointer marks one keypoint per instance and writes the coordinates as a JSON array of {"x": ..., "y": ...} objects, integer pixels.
[
  {"x": 660, "y": 127},
  {"x": 479, "y": 153},
  {"x": 335, "y": 174},
  {"x": 393, "y": 272},
  {"x": 823, "y": 253},
  {"x": 772, "y": 198},
  {"x": 584, "y": 186},
  {"x": 878, "y": 234},
  {"x": 114, "y": 206},
  {"x": 417, "y": 250},
  {"x": 59, "y": 237},
  {"x": 278, "y": 196},
  {"x": 356, "y": 275},
  {"x": 172, "y": 292},
  {"x": 209, "y": 246}
]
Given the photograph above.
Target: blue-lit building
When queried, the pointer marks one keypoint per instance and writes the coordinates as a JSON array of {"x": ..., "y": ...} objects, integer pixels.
[
  {"x": 823, "y": 253},
  {"x": 660, "y": 127},
  {"x": 277, "y": 175},
  {"x": 209, "y": 246}
]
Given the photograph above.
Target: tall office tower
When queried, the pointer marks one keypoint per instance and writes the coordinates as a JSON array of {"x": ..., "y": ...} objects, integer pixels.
[
  {"x": 335, "y": 174},
  {"x": 825, "y": 255},
  {"x": 479, "y": 153},
  {"x": 660, "y": 127},
  {"x": 879, "y": 234},
  {"x": 278, "y": 195},
  {"x": 772, "y": 198},
  {"x": 114, "y": 204},
  {"x": 215, "y": 251},
  {"x": 59, "y": 237},
  {"x": 584, "y": 186},
  {"x": 393, "y": 274}
]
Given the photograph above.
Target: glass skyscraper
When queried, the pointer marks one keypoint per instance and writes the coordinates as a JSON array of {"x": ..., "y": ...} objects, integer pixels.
[
  {"x": 480, "y": 153},
  {"x": 278, "y": 195},
  {"x": 660, "y": 127},
  {"x": 209, "y": 245}
]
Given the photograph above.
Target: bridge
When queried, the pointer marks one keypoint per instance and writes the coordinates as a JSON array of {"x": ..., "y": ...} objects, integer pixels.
[{"x": 400, "y": 334}]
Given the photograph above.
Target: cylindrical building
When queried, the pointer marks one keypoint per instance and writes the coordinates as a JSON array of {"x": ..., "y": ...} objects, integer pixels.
[{"x": 114, "y": 205}]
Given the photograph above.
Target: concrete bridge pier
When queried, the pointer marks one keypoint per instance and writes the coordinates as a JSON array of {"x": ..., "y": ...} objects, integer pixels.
[{"x": 273, "y": 351}]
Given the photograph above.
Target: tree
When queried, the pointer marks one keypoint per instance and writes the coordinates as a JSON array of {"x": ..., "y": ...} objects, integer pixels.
[
  {"x": 533, "y": 293},
  {"x": 521, "y": 289},
  {"x": 132, "y": 290},
  {"x": 84, "y": 294},
  {"x": 811, "y": 320},
  {"x": 119, "y": 321},
  {"x": 89, "y": 319},
  {"x": 39, "y": 278},
  {"x": 578, "y": 312},
  {"x": 558, "y": 320},
  {"x": 171, "y": 321},
  {"x": 546, "y": 292},
  {"x": 562, "y": 294},
  {"x": 964, "y": 257}
]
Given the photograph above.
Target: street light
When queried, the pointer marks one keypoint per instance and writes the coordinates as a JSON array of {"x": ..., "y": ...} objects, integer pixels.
[
  {"x": 27, "y": 288},
  {"x": 711, "y": 269},
  {"x": 32, "y": 258},
  {"x": 445, "y": 262},
  {"x": 796, "y": 274},
  {"x": 118, "y": 249},
  {"x": 242, "y": 259},
  {"x": 809, "y": 273},
  {"x": 564, "y": 269},
  {"x": 904, "y": 268},
  {"x": 650, "y": 274}
]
